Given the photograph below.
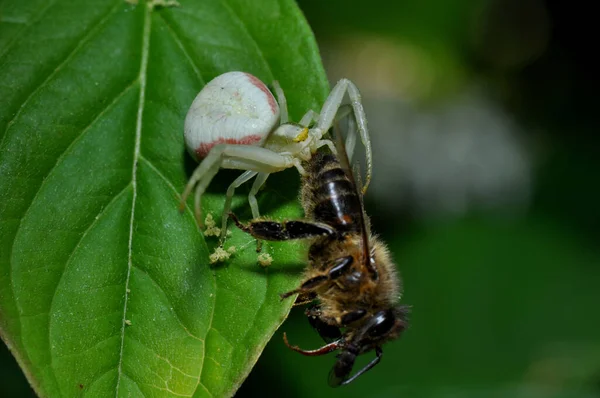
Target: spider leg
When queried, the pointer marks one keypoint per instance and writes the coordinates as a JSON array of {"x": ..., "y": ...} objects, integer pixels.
[
  {"x": 241, "y": 157},
  {"x": 308, "y": 118},
  {"x": 258, "y": 183},
  {"x": 342, "y": 113},
  {"x": 245, "y": 176},
  {"x": 350, "y": 144},
  {"x": 201, "y": 187},
  {"x": 329, "y": 143},
  {"x": 330, "y": 109},
  {"x": 283, "y": 111}
]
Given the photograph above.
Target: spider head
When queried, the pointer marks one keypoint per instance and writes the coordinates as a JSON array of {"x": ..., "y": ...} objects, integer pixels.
[{"x": 291, "y": 139}]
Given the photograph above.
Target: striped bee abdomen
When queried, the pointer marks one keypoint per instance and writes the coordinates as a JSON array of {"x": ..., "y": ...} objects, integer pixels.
[{"x": 329, "y": 195}]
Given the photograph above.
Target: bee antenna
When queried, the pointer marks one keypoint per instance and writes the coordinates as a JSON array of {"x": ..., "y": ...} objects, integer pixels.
[
  {"x": 359, "y": 183},
  {"x": 338, "y": 376},
  {"x": 326, "y": 349}
]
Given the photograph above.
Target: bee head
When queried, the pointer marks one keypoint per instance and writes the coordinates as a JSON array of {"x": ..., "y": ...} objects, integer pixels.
[
  {"x": 384, "y": 326},
  {"x": 338, "y": 375}
]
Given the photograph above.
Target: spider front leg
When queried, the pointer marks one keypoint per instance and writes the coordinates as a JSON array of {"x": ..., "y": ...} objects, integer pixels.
[
  {"x": 241, "y": 157},
  {"x": 317, "y": 135},
  {"x": 308, "y": 118},
  {"x": 343, "y": 113},
  {"x": 330, "y": 109},
  {"x": 282, "y": 101}
]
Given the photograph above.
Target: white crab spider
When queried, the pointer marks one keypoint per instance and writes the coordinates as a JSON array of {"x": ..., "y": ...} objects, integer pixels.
[{"x": 235, "y": 123}]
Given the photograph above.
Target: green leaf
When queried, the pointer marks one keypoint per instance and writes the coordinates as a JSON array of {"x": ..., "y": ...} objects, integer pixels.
[{"x": 105, "y": 288}]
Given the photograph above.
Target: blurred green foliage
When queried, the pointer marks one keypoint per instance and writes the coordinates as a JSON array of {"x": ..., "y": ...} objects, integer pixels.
[{"x": 503, "y": 305}]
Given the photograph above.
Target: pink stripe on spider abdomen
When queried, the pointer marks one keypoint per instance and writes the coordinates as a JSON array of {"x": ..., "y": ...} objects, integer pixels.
[
  {"x": 205, "y": 148},
  {"x": 261, "y": 86}
]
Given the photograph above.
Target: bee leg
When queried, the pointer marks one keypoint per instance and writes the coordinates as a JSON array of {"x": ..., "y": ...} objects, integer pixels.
[
  {"x": 340, "y": 266},
  {"x": 306, "y": 286},
  {"x": 305, "y": 298},
  {"x": 337, "y": 269},
  {"x": 352, "y": 316},
  {"x": 344, "y": 369},
  {"x": 287, "y": 230},
  {"x": 327, "y": 331}
]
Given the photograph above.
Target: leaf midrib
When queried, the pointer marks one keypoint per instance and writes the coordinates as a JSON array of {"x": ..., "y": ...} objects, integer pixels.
[{"x": 142, "y": 77}]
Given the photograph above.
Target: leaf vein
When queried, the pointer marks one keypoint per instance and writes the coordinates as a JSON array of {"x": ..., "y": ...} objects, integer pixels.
[
  {"x": 212, "y": 317},
  {"x": 253, "y": 327},
  {"x": 174, "y": 312},
  {"x": 136, "y": 154},
  {"x": 199, "y": 377},
  {"x": 247, "y": 32},
  {"x": 158, "y": 172},
  {"x": 205, "y": 389},
  {"x": 177, "y": 192},
  {"x": 26, "y": 25},
  {"x": 98, "y": 377},
  {"x": 52, "y": 170},
  {"x": 176, "y": 368},
  {"x": 166, "y": 389},
  {"x": 81, "y": 43},
  {"x": 95, "y": 345},
  {"x": 224, "y": 338},
  {"x": 62, "y": 156},
  {"x": 182, "y": 47},
  {"x": 102, "y": 212}
]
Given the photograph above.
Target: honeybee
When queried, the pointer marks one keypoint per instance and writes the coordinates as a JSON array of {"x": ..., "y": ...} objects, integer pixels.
[{"x": 350, "y": 276}]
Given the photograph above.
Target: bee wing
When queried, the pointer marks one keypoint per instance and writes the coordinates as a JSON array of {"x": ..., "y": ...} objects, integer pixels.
[{"x": 345, "y": 163}]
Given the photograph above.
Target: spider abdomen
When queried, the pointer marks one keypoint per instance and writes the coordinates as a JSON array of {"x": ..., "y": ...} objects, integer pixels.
[{"x": 233, "y": 108}]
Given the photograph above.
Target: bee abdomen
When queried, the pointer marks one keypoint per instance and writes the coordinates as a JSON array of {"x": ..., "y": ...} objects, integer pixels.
[{"x": 331, "y": 194}]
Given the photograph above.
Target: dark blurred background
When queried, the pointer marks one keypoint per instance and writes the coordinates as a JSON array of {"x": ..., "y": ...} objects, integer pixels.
[
  {"x": 483, "y": 117},
  {"x": 484, "y": 122}
]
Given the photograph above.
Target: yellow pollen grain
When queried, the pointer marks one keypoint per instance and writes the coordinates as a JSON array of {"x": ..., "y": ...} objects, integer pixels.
[
  {"x": 211, "y": 228},
  {"x": 264, "y": 259},
  {"x": 219, "y": 255}
]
